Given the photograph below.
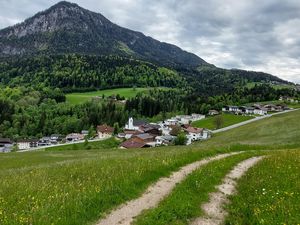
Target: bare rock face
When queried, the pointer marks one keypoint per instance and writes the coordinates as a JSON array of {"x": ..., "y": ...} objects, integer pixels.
[
  {"x": 63, "y": 15},
  {"x": 68, "y": 28}
]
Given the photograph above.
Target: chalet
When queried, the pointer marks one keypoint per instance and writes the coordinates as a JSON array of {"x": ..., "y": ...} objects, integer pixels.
[
  {"x": 130, "y": 133},
  {"x": 271, "y": 107},
  {"x": 194, "y": 134},
  {"x": 56, "y": 138},
  {"x": 5, "y": 145},
  {"x": 186, "y": 119},
  {"x": 152, "y": 129},
  {"x": 258, "y": 110},
  {"x": 74, "y": 137},
  {"x": 164, "y": 140},
  {"x": 213, "y": 112},
  {"x": 133, "y": 143},
  {"x": 44, "y": 141},
  {"x": 233, "y": 109},
  {"x": 171, "y": 121},
  {"x": 249, "y": 110},
  {"x": 164, "y": 129},
  {"x": 145, "y": 137},
  {"x": 27, "y": 144},
  {"x": 104, "y": 131},
  {"x": 196, "y": 117}
]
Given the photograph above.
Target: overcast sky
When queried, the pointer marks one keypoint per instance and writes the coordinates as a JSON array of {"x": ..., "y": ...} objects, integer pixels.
[{"x": 261, "y": 35}]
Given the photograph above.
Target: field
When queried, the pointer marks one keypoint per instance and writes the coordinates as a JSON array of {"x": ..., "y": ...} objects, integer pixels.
[
  {"x": 276, "y": 86},
  {"x": 110, "y": 144},
  {"x": 77, "y": 98},
  {"x": 274, "y": 194},
  {"x": 228, "y": 120},
  {"x": 183, "y": 203},
  {"x": 79, "y": 186}
]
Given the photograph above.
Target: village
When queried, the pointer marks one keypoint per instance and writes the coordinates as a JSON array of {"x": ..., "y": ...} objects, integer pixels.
[{"x": 141, "y": 134}]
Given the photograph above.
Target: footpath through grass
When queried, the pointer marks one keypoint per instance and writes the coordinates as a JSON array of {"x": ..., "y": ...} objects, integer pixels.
[
  {"x": 269, "y": 193},
  {"x": 229, "y": 119},
  {"x": 184, "y": 203},
  {"x": 79, "y": 191}
]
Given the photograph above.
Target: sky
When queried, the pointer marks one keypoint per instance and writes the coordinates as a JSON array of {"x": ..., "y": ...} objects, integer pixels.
[{"x": 260, "y": 35}]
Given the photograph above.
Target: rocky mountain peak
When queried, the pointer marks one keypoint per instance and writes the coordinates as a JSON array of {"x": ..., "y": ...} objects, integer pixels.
[{"x": 68, "y": 28}]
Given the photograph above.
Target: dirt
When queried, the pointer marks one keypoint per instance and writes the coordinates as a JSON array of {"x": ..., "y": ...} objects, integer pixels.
[
  {"x": 126, "y": 213},
  {"x": 215, "y": 213}
]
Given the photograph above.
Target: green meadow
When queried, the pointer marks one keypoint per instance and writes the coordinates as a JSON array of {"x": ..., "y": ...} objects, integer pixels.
[
  {"x": 78, "y": 98},
  {"x": 228, "y": 120},
  {"x": 78, "y": 186},
  {"x": 274, "y": 194}
]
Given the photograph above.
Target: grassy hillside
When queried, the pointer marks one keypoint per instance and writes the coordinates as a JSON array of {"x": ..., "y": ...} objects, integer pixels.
[
  {"x": 78, "y": 187},
  {"x": 269, "y": 199},
  {"x": 277, "y": 131},
  {"x": 77, "y": 98},
  {"x": 110, "y": 144},
  {"x": 228, "y": 120}
]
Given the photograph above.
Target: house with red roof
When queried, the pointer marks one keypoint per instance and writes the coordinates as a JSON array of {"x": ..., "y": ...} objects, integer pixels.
[{"x": 104, "y": 131}]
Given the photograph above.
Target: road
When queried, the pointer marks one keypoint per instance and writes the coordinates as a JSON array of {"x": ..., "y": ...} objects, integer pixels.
[
  {"x": 50, "y": 146},
  {"x": 250, "y": 121}
]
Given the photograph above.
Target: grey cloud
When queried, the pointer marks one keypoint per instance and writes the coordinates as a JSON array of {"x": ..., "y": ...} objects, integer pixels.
[{"x": 257, "y": 35}]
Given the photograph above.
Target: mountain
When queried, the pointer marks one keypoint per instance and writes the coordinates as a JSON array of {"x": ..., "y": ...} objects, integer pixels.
[
  {"x": 68, "y": 28},
  {"x": 62, "y": 47}
]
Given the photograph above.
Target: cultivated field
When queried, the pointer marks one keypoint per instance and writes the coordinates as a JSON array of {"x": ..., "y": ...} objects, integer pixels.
[{"x": 80, "y": 187}]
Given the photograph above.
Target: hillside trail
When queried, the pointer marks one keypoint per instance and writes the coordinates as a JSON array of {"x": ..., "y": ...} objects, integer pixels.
[
  {"x": 125, "y": 213},
  {"x": 215, "y": 214}
]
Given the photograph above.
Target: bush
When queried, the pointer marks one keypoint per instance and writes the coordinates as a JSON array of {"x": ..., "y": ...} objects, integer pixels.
[{"x": 181, "y": 139}]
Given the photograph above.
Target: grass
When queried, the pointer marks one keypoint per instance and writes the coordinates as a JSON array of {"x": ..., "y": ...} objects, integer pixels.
[
  {"x": 78, "y": 98},
  {"x": 79, "y": 187},
  {"x": 278, "y": 131},
  {"x": 229, "y": 119},
  {"x": 276, "y": 86},
  {"x": 183, "y": 204},
  {"x": 110, "y": 143},
  {"x": 274, "y": 194}
]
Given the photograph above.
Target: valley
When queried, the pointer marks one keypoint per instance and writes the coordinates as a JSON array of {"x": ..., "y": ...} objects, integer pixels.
[
  {"x": 104, "y": 125},
  {"x": 87, "y": 175}
]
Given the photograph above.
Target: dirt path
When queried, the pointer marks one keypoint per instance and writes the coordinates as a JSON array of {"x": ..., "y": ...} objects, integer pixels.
[
  {"x": 214, "y": 211},
  {"x": 125, "y": 213}
]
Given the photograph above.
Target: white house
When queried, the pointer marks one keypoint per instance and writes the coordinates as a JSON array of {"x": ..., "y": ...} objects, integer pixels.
[
  {"x": 74, "y": 137},
  {"x": 104, "y": 131},
  {"x": 205, "y": 134},
  {"x": 196, "y": 117},
  {"x": 172, "y": 121},
  {"x": 27, "y": 144},
  {"x": 233, "y": 109},
  {"x": 213, "y": 112},
  {"x": 249, "y": 110},
  {"x": 164, "y": 140},
  {"x": 6, "y": 145},
  {"x": 260, "y": 111},
  {"x": 194, "y": 134}
]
